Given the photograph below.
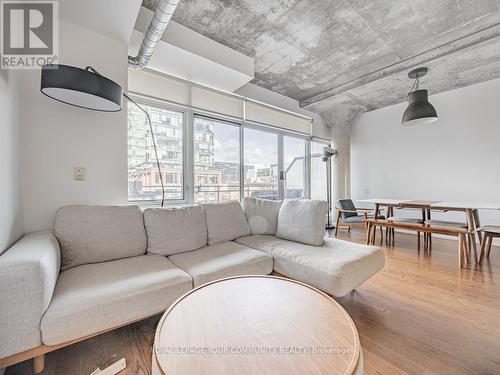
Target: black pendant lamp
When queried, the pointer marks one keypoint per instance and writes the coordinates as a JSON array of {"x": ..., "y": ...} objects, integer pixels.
[
  {"x": 419, "y": 110},
  {"x": 84, "y": 88}
]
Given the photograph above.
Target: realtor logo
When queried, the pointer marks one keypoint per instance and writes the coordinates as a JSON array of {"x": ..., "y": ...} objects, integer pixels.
[{"x": 29, "y": 33}]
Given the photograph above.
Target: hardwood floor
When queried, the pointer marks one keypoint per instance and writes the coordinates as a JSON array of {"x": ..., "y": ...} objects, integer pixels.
[{"x": 421, "y": 315}]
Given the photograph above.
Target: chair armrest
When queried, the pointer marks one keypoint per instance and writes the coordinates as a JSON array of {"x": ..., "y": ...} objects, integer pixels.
[
  {"x": 364, "y": 210},
  {"x": 28, "y": 276},
  {"x": 342, "y": 210}
]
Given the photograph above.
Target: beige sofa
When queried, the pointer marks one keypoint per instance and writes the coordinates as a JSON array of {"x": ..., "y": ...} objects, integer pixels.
[{"x": 105, "y": 267}]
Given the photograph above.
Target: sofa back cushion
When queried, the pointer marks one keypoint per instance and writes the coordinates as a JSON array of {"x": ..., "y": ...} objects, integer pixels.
[
  {"x": 302, "y": 220},
  {"x": 262, "y": 215},
  {"x": 175, "y": 230},
  {"x": 92, "y": 234},
  {"x": 225, "y": 222}
]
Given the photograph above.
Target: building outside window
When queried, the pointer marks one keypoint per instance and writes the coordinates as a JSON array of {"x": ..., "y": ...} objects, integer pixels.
[
  {"x": 261, "y": 164},
  {"x": 216, "y": 160},
  {"x": 143, "y": 178}
]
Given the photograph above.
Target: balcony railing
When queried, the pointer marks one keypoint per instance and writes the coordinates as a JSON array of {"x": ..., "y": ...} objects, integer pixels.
[{"x": 211, "y": 192}]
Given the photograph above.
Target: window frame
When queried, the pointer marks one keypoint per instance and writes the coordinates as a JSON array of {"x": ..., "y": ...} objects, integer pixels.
[{"x": 281, "y": 133}]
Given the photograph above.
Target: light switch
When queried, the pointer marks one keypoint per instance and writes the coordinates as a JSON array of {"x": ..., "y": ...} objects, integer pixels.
[{"x": 79, "y": 174}]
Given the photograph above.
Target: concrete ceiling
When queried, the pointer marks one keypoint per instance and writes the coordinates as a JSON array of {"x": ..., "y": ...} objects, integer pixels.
[
  {"x": 113, "y": 18},
  {"x": 354, "y": 52}
]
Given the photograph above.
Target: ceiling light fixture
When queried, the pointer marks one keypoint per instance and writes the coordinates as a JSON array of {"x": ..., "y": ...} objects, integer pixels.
[{"x": 419, "y": 110}]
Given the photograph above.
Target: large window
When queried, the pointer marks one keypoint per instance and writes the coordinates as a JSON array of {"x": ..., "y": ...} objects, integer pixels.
[
  {"x": 205, "y": 159},
  {"x": 143, "y": 177},
  {"x": 261, "y": 164},
  {"x": 216, "y": 160}
]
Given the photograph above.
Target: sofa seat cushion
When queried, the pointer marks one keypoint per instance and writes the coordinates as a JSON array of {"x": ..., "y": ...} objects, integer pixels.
[
  {"x": 357, "y": 219},
  {"x": 225, "y": 222},
  {"x": 96, "y": 297},
  {"x": 175, "y": 230},
  {"x": 223, "y": 260},
  {"x": 92, "y": 234},
  {"x": 337, "y": 267}
]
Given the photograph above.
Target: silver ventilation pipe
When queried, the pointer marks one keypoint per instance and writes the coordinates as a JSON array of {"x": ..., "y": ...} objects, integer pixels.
[{"x": 163, "y": 13}]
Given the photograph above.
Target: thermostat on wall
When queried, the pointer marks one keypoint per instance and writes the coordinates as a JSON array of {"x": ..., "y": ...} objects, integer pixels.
[{"x": 79, "y": 174}]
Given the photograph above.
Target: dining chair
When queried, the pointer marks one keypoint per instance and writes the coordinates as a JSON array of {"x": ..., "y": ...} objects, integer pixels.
[
  {"x": 349, "y": 216},
  {"x": 489, "y": 232}
]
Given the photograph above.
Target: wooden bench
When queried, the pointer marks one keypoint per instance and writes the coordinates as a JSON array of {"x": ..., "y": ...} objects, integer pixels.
[{"x": 464, "y": 235}]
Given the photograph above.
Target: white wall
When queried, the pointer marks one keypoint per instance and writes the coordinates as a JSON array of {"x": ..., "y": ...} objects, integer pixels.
[
  {"x": 11, "y": 225},
  {"x": 456, "y": 158},
  {"x": 259, "y": 93},
  {"x": 57, "y": 137}
]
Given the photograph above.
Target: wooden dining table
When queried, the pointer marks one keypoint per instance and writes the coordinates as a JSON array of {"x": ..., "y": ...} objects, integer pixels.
[{"x": 470, "y": 209}]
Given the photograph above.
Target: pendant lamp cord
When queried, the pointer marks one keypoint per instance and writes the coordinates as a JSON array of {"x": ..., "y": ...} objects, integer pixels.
[
  {"x": 89, "y": 68},
  {"x": 416, "y": 85}
]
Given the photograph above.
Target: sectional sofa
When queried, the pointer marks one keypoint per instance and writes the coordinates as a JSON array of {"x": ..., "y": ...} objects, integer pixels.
[{"x": 103, "y": 267}]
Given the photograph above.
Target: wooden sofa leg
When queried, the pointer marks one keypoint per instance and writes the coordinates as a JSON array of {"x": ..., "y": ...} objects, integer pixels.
[{"x": 39, "y": 364}]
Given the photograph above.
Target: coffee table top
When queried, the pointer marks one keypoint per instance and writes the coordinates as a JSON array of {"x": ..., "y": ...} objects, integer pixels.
[{"x": 256, "y": 325}]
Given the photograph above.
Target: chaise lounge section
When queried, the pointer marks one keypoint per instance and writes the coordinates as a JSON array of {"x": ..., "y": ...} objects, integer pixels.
[
  {"x": 105, "y": 267},
  {"x": 337, "y": 275}
]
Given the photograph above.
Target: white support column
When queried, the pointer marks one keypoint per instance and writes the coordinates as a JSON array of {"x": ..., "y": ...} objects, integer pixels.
[{"x": 341, "y": 120}]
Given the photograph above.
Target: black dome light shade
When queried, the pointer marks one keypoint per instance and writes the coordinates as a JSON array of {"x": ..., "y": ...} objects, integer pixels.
[
  {"x": 419, "y": 110},
  {"x": 81, "y": 87}
]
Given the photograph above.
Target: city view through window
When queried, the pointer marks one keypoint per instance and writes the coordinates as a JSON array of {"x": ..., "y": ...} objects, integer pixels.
[
  {"x": 261, "y": 164},
  {"x": 216, "y": 160},
  {"x": 143, "y": 176}
]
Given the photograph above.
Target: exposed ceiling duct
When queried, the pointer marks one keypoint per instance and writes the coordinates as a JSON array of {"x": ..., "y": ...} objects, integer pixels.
[{"x": 162, "y": 15}]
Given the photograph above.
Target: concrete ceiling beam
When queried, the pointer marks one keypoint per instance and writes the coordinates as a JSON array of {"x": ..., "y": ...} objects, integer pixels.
[{"x": 453, "y": 47}]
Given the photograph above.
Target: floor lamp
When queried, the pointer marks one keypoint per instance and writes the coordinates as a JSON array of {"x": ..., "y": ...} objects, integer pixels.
[{"x": 328, "y": 152}]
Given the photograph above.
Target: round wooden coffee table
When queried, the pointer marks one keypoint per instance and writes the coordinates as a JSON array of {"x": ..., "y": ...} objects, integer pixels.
[{"x": 255, "y": 325}]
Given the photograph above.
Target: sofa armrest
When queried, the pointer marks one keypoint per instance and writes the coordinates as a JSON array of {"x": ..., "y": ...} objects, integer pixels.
[{"x": 28, "y": 275}]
